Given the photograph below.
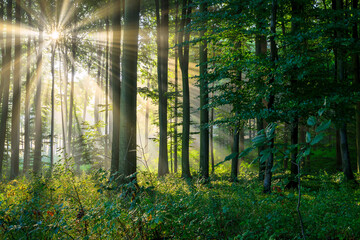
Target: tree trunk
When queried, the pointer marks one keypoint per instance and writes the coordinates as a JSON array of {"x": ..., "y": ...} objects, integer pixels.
[
  {"x": 235, "y": 160},
  {"x": 184, "y": 65},
  {"x": 127, "y": 144},
  {"x": 16, "y": 106},
  {"x": 346, "y": 165},
  {"x": 176, "y": 88},
  {"x": 356, "y": 69},
  {"x": 115, "y": 86},
  {"x": 107, "y": 26},
  {"x": 27, "y": 98},
  {"x": 52, "y": 107},
  {"x": 38, "y": 108},
  {"x": 163, "y": 45},
  {"x": 270, "y": 160},
  {"x": 63, "y": 118},
  {"x": 204, "y": 101},
  {"x": 260, "y": 52}
]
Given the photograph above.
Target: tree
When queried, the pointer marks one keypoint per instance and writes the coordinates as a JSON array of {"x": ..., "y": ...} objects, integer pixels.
[
  {"x": 163, "y": 52},
  {"x": 38, "y": 110},
  {"x": 184, "y": 37},
  {"x": 115, "y": 85},
  {"x": 16, "y": 107},
  {"x": 204, "y": 100},
  {"x": 127, "y": 164},
  {"x": 27, "y": 98},
  {"x": 273, "y": 48},
  {"x": 5, "y": 77}
]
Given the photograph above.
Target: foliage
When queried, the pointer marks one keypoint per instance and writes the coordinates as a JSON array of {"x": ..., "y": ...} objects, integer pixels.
[{"x": 92, "y": 207}]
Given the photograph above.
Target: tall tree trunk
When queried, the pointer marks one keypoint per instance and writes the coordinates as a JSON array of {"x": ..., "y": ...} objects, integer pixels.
[
  {"x": 52, "y": 106},
  {"x": 63, "y": 117},
  {"x": 176, "y": 87},
  {"x": 98, "y": 89},
  {"x": 71, "y": 104},
  {"x": 346, "y": 166},
  {"x": 260, "y": 52},
  {"x": 356, "y": 69},
  {"x": 5, "y": 77},
  {"x": 235, "y": 160},
  {"x": 127, "y": 144},
  {"x": 296, "y": 10},
  {"x": 115, "y": 86},
  {"x": 163, "y": 45},
  {"x": 27, "y": 98},
  {"x": 38, "y": 108},
  {"x": 107, "y": 26},
  {"x": 204, "y": 101},
  {"x": 16, "y": 107},
  {"x": 184, "y": 65},
  {"x": 273, "y": 48}
]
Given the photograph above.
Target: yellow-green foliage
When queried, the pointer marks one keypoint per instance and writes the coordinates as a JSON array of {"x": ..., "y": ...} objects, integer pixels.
[{"x": 66, "y": 206}]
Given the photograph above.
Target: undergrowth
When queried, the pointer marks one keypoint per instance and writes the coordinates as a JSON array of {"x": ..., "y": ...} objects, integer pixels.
[{"x": 65, "y": 206}]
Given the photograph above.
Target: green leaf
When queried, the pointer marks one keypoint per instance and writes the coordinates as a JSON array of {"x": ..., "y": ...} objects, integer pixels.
[
  {"x": 317, "y": 139},
  {"x": 321, "y": 111},
  {"x": 259, "y": 140},
  {"x": 323, "y": 126},
  {"x": 245, "y": 152},
  {"x": 311, "y": 121},
  {"x": 231, "y": 156},
  {"x": 307, "y": 152},
  {"x": 275, "y": 167},
  {"x": 265, "y": 155},
  {"x": 308, "y": 137}
]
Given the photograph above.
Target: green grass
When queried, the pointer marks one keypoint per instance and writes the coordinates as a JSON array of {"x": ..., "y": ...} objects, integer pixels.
[{"x": 90, "y": 207}]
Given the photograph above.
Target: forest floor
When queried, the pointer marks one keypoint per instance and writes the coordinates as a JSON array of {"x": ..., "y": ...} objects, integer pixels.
[{"x": 65, "y": 206}]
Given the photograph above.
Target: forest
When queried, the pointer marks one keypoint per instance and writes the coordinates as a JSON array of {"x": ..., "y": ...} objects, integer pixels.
[{"x": 179, "y": 119}]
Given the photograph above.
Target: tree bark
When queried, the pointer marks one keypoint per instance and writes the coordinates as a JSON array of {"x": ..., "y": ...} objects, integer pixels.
[
  {"x": 184, "y": 65},
  {"x": 127, "y": 164},
  {"x": 27, "y": 98},
  {"x": 270, "y": 160},
  {"x": 107, "y": 26},
  {"x": 204, "y": 100},
  {"x": 16, "y": 107},
  {"x": 163, "y": 46},
  {"x": 38, "y": 108},
  {"x": 176, "y": 87},
  {"x": 115, "y": 86}
]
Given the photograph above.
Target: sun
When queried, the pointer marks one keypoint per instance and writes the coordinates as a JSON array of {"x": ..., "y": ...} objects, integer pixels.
[{"x": 55, "y": 35}]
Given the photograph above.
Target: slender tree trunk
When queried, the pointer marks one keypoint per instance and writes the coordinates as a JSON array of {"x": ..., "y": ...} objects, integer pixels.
[
  {"x": 27, "y": 98},
  {"x": 176, "y": 88},
  {"x": 107, "y": 26},
  {"x": 212, "y": 141},
  {"x": 115, "y": 86},
  {"x": 204, "y": 101},
  {"x": 260, "y": 52},
  {"x": 163, "y": 45},
  {"x": 5, "y": 77},
  {"x": 16, "y": 107},
  {"x": 270, "y": 160},
  {"x": 147, "y": 108},
  {"x": 184, "y": 65},
  {"x": 98, "y": 89},
  {"x": 38, "y": 108},
  {"x": 346, "y": 166},
  {"x": 52, "y": 107},
  {"x": 356, "y": 69},
  {"x": 63, "y": 118},
  {"x": 235, "y": 160},
  {"x": 127, "y": 144}
]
